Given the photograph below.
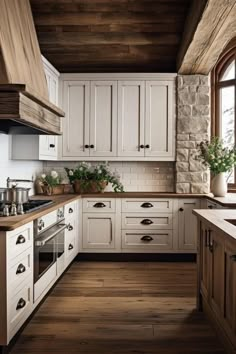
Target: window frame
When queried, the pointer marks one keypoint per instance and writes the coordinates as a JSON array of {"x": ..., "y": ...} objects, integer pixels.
[{"x": 224, "y": 61}]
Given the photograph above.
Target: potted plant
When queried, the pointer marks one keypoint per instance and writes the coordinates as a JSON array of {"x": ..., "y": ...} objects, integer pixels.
[
  {"x": 51, "y": 183},
  {"x": 219, "y": 160},
  {"x": 93, "y": 178}
]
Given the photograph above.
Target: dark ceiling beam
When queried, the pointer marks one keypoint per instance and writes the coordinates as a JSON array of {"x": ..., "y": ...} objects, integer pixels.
[{"x": 209, "y": 27}]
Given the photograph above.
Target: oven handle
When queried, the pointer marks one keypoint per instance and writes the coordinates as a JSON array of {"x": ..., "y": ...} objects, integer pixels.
[{"x": 46, "y": 239}]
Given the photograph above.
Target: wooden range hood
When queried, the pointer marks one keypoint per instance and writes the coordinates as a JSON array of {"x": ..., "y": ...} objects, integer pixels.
[{"x": 24, "y": 101}]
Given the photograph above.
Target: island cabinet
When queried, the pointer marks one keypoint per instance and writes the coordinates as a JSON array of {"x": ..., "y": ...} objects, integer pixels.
[
  {"x": 217, "y": 280},
  {"x": 118, "y": 117}
]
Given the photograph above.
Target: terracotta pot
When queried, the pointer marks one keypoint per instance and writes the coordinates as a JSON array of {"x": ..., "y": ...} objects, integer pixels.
[
  {"x": 92, "y": 187},
  {"x": 55, "y": 190}
]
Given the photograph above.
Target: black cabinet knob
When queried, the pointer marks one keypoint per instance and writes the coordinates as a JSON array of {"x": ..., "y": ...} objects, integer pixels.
[
  {"x": 20, "y": 269},
  {"x": 142, "y": 146},
  {"x": 147, "y": 205},
  {"x": 210, "y": 206},
  {"x": 181, "y": 209},
  {"x": 20, "y": 239},
  {"x": 92, "y": 146},
  {"x": 233, "y": 257},
  {"x": 70, "y": 227},
  {"x": 21, "y": 303},
  {"x": 52, "y": 145},
  {"x": 146, "y": 222},
  {"x": 86, "y": 146},
  {"x": 147, "y": 146},
  {"x": 146, "y": 238},
  {"x": 99, "y": 205},
  {"x": 71, "y": 210},
  {"x": 70, "y": 247}
]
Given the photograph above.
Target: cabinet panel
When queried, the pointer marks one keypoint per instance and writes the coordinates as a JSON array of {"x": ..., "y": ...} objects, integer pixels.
[
  {"x": 150, "y": 205},
  {"x": 131, "y": 118},
  {"x": 187, "y": 228},
  {"x": 99, "y": 231},
  {"x": 159, "y": 119},
  {"x": 146, "y": 221},
  {"x": 75, "y": 125},
  {"x": 99, "y": 205},
  {"x": 204, "y": 261},
  {"x": 147, "y": 241},
  {"x": 103, "y": 118}
]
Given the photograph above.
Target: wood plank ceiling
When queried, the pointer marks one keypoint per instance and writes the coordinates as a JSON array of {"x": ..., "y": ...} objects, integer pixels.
[{"x": 110, "y": 35}]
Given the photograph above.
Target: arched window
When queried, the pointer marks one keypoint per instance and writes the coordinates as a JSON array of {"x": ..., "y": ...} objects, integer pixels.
[{"x": 224, "y": 101}]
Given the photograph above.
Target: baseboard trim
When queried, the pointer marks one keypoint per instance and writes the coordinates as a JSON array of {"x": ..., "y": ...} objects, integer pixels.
[{"x": 137, "y": 257}]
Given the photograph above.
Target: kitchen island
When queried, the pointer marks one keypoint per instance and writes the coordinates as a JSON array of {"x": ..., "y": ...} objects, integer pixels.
[{"x": 216, "y": 266}]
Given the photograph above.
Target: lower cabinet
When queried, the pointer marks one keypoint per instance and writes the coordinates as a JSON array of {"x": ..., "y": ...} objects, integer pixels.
[
  {"x": 187, "y": 224},
  {"x": 217, "y": 280}
]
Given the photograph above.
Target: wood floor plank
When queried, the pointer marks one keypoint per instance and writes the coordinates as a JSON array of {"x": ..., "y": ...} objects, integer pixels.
[{"x": 121, "y": 308}]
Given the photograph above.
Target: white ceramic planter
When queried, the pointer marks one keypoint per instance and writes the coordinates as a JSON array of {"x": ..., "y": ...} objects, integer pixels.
[{"x": 219, "y": 185}]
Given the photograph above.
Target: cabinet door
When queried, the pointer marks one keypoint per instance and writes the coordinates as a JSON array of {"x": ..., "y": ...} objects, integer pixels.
[
  {"x": 230, "y": 286},
  {"x": 187, "y": 229},
  {"x": 98, "y": 231},
  {"x": 131, "y": 118},
  {"x": 159, "y": 127},
  {"x": 103, "y": 118},
  {"x": 216, "y": 247},
  {"x": 75, "y": 125}
]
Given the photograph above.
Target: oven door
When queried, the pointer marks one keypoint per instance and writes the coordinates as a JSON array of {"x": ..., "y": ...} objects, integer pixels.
[{"x": 47, "y": 250}]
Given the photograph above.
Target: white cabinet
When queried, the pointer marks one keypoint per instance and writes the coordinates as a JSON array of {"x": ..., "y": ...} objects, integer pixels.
[
  {"x": 39, "y": 147},
  {"x": 90, "y": 125},
  {"x": 120, "y": 117},
  {"x": 71, "y": 212},
  {"x": 187, "y": 224}
]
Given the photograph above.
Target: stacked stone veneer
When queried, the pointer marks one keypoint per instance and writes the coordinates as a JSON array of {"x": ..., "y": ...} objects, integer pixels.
[{"x": 193, "y": 126}]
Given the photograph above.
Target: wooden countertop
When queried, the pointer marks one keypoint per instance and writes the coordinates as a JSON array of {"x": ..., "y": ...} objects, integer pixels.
[
  {"x": 217, "y": 219},
  {"x": 12, "y": 222}
]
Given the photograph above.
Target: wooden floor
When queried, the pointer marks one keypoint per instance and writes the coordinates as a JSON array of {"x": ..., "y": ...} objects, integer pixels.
[{"x": 121, "y": 308}]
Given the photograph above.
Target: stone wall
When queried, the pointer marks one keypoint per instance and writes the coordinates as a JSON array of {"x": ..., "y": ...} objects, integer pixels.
[{"x": 193, "y": 126}]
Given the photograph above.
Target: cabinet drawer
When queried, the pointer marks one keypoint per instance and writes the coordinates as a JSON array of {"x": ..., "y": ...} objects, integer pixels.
[
  {"x": 22, "y": 268},
  {"x": 45, "y": 221},
  {"x": 99, "y": 205},
  {"x": 142, "y": 205},
  {"x": 20, "y": 305},
  {"x": 19, "y": 240},
  {"x": 147, "y": 222},
  {"x": 152, "y": 241},
  {"x": 70, "y": 209}
]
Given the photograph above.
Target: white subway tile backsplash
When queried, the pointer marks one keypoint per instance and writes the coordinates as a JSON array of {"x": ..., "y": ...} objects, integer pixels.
[{"x": 135, "y": 176}]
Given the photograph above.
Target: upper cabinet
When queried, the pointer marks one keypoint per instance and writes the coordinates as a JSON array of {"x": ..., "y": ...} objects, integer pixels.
[
  {"x": 118, "y": 117},
  {"x": 39, "y": 147}
]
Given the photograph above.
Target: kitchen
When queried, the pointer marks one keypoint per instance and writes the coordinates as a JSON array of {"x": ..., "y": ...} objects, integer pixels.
[{"x": 88, "y": 270}]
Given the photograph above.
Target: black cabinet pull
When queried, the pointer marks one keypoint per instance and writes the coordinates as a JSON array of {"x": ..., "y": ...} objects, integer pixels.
[
  {"x": 21, "y": 303},
  {"x": 146, "y": 238},
  {"x": 146, "y": 222},
  {"x": 20, "y": 269},
  {"x": 70, "y": 247},
  {"x": 70, "y": 227},
  {"x": 86, "y": 146},
  {"x": 210, "y": 242},
  {"x": 233, "y": 257},
  {"x": 147, "y": 146},
  {"x": 99, "y": 205},
  {"x": 206, "y": 239},
  {"x": 70, "y": 210},
  {"x": 52, "y": 145},
  {"x": 92, "y": 146},
  {"x": 210, "y": 206},
  {"x": 147, "y": 205},
  {"x": 181, "y": 209},
  {"x": 142, "y": 146},
  {"x": 20, "y": 239}
]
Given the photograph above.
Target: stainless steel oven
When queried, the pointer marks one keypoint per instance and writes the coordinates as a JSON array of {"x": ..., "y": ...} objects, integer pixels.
[{"x": 49, "y": 251}]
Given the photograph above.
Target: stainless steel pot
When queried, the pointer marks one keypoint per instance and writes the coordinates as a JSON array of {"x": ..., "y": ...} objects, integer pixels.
[
  {"x": 2, "y": 195},
  {"x": 17, "y": 195}
]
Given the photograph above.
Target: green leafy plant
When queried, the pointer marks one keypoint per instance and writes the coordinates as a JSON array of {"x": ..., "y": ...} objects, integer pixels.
[
  {"x": 215, "y": 156},
  {"x": 52, "y": 179},
  {"x": 89, "y": 174}
]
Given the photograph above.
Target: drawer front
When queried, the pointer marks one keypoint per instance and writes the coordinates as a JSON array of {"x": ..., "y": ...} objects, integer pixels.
[
  {"x": 147, "y": 222},
  {"x": 22, "y": 269},
  {"x": 20, "y": 306},
  {"x": 46, "y": 220},
  {"x": 152, "y": 241},
  {"x": 70, "y": 244},
  {"x": 99, "y": 205},
  {"x": 144, "y": 205},
  {"x": 71, "y": 209},
  {"x": 19, "y": 240}
]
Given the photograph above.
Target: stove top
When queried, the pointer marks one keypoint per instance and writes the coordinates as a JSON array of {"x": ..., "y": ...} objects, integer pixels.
[
  {"x": 30, "y": 206},
  {"x": 33, "y": 205}
]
